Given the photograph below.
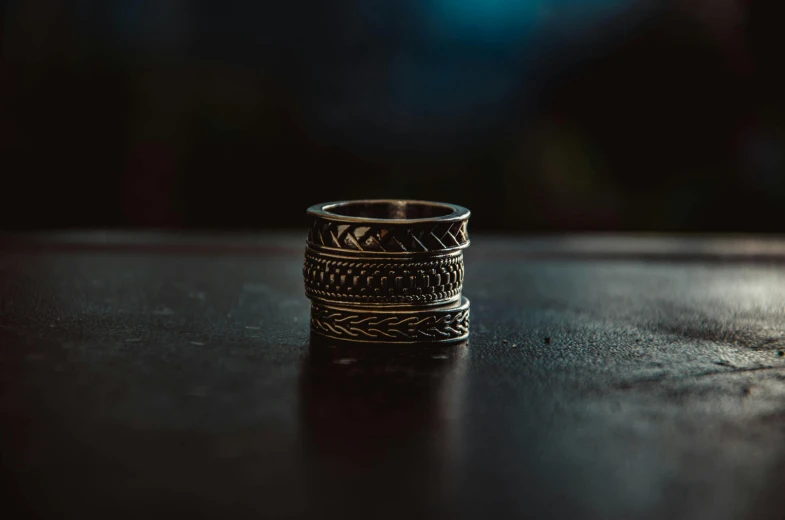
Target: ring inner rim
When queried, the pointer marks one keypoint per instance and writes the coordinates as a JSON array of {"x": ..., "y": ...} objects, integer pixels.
[{"x": 389, "y": 211}]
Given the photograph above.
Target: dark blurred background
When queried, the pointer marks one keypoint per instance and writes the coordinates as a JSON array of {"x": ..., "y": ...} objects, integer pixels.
[{"x": 539, "y": 115}]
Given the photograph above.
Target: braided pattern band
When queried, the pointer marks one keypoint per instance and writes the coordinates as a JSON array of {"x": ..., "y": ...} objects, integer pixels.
[
  {"x": 440, "y": 324},
  {"x": 340, "y": 279}
]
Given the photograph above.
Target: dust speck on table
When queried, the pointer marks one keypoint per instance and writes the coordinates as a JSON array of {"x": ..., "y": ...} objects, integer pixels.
[{"x": 547, "y": 341}]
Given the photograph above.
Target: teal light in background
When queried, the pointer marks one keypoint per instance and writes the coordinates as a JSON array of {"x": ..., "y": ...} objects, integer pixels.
[
  {"x": 486, "y": 19},
  {"x": 463, "y": 70},
  {"x": 509, "y": 21}
]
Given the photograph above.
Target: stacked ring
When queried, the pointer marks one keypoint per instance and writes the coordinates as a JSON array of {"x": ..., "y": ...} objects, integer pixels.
[{"x": 388, "y": 271}]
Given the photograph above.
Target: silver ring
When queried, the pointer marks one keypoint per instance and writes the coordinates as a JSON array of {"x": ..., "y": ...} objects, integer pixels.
[{"x": 396, "y": 260}]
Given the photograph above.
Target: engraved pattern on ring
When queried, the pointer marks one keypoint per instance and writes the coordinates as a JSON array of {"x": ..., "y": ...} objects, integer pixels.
[
  {"x": 363, "y": 325},
  {"x": 386, "y": 238},
  {"x": 365, "y": 280}
]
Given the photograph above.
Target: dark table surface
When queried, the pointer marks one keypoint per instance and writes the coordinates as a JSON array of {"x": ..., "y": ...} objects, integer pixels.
[{"x": 150, "y": 375}]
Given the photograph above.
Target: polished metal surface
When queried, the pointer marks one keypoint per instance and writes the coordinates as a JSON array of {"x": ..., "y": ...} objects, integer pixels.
[{"x": 387, "y": 271}]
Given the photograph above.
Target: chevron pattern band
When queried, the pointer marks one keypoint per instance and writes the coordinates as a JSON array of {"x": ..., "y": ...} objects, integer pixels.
[
  {"x": 387, "y": 271},
  {"x": 386, "y": 238}
]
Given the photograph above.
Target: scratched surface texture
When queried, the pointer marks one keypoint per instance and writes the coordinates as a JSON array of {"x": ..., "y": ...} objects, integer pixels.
[{"x": 609, "y": 377}]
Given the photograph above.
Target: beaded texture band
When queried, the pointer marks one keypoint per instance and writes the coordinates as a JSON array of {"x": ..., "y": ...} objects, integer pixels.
[
  {"x": 377, "y": 281},
  {"x": 387, "y": 271}
]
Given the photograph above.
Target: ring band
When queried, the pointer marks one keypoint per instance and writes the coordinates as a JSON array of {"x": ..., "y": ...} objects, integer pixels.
[
  {"x": 445, "y": 324},
  {"x": 387, "y": 271},
  {"x": 346, "y": 279},
  {"x": 394, "y": 227}
]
